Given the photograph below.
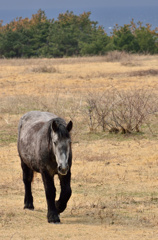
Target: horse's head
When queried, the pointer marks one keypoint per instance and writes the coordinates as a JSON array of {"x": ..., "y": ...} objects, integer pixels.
[{"x": 61, "y": 142}]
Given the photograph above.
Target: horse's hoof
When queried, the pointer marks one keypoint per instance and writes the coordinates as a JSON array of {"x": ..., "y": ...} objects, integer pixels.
[
  {"x": 55, "y": 222},
  {"x": 29, "y": 206},
  {"x": 54, "y": 219}
]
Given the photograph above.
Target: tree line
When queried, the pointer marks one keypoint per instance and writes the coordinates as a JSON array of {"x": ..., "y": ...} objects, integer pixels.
[{"x": 72, "y": 35}]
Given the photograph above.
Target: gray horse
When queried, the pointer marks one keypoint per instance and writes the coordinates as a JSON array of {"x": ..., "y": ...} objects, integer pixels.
[{"x": 44, "y": 146}]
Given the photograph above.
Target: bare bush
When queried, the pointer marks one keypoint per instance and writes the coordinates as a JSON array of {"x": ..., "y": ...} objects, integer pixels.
[
  {"x": 124, "y": 111},
  {"x": 133, "y": 108},
  {"x": 116, "y": 56},
  {"x": 44, "y": 69},
  {"x": 152, "y": 72},
  {"x": 90, "y": 111},
  {"x": 98, "y": 110}
]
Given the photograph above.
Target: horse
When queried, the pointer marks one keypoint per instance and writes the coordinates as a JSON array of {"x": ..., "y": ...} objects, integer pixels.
[{"x": 44, "y": 146}]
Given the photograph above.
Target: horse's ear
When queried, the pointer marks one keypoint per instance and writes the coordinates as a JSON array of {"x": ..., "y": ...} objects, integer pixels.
[
  {"x": 54, "y": 126},
  {"x": 69, "y": 126}
]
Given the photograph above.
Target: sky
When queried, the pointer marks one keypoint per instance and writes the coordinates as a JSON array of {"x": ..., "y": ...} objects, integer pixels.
[
  {"x": 47, "y": 4},
  {"x": 106, "y": 12}
]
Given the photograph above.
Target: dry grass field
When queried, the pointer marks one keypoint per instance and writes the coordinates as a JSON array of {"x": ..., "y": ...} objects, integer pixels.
[{"x": 114, "y": 176}]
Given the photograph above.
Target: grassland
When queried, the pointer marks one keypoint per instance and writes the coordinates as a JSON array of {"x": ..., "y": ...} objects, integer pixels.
[{"x": 114, "y": 177}]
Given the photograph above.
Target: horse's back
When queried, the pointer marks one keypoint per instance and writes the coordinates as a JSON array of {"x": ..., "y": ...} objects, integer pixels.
[
  {"x": 37, "y": 116},
  {"x": 32, "y": 118}
]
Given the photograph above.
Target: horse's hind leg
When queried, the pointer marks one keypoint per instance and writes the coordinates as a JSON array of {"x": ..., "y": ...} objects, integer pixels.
[{"x": 27, "y": 179}]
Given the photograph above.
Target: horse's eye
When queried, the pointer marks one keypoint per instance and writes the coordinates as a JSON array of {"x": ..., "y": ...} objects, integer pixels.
[{"x": 55, "y": 143}]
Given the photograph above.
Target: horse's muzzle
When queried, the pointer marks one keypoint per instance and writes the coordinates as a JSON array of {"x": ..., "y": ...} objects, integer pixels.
[{"x": 63, "y": 171}]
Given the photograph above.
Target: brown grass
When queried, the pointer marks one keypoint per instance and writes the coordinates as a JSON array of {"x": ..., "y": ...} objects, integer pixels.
[{"x": 114, "y": 177}]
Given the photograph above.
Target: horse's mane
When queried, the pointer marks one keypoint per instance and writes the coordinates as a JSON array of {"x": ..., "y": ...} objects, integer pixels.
[{"x": 62, "y": 131}]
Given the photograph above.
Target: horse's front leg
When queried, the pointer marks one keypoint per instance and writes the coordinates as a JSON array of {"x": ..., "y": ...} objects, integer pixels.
[
  {"x": 65, "y": 192},
  {"x": 50, "y": 192}
]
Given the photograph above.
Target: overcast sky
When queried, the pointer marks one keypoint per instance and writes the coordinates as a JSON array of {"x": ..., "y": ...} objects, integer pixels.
[
  {"x": 70, "y": 4},
  {"x": 106, "y": 12}
]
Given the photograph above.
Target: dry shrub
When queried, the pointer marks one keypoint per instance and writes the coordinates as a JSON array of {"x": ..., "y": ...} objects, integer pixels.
[
  {"x": 98, "y": 107},
  {"x": 125, "y": 59},
  {"x": 129, "y": 63},
  {"x": 124, "y": 111},
  {"x": 44, "y": 69},
  {"x": 152, "y": 72},
  {"x": 116, "y": 56},
  {"x": 133, "y": 109}
]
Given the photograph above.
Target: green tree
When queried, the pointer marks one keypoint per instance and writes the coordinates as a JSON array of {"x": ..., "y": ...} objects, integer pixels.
[
  {"x": 63, "y": 36},
  {"x": 124, "y": 39},
  {"x": 147, "y": 40},
  {"x": 37, "y": 34},
  {"x": 11, "y": 43},
  {"x": 76, "y": 35},
  {"x": 135, "y": 38},
  {"x": 72, "y": 35}
]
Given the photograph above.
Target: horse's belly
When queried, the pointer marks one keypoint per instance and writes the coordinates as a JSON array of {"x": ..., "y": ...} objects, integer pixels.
[{"x": 30, "y": 161}]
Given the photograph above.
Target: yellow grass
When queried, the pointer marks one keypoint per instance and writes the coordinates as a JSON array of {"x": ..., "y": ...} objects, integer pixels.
[{"x": 114, "y": 178}]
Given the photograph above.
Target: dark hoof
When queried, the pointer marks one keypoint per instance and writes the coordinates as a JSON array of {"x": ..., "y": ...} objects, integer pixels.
[
  {"x": 55, "y": 222},
  {"x": 53, "y": 218},
  {"x": 29, "y": 206}
]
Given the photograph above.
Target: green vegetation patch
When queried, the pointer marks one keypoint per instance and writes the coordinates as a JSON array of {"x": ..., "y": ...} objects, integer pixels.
[{"x": 7, "y": 137}]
